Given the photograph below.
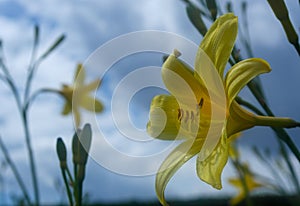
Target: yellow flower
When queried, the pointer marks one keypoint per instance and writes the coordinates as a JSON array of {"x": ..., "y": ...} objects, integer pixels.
[
  {"x": 82, "y": 97},
  {"x": 250, "y": 183},
  {"x": 192, "y": 109}
]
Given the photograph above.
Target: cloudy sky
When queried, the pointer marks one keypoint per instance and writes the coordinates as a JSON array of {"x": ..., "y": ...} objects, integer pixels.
[{"x": 90, "y": 24}]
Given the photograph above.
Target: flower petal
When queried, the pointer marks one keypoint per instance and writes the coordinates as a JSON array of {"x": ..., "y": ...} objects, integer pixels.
[
  {"x": 92, "y": 86},
  {"x": 168, "y": 121},
  {"x": 91, "y": 104},
  {"x": 163, "y": 123},
  {"x": 180, "y": 155},
  {"x": 181, "y": 83},
  {"x": 241, "y": 119},
  {"x": 66, "y": 109},
  {"x": 79, "y": 75},
  {"x": 76, "y": 117},
  {"x": 241, "y": 73},
  {"x": 210, "y": 169},
  {"x": 219, "y": 41}
]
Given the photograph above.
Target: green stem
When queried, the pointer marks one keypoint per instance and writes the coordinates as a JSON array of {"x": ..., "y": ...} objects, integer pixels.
[
  {"x": 31, "y": 158},
  {"x": 32, "y": 64},
  {"x": 79, "y": 203},
  {"x": 37, "y": 93},
  {"x": 67, "y": 187},
  {"x": 79, "y": 179},
  {"x": 290, "y": 166},
  {"x": 69, "y": 175},
  {"x": 282, "y": 135},
  {"x": 11, "y": 85},
  {"x": 75, "y": 192},
  {"x": 23, "y": 113},
  {"x": 249, "y": 106},
  {"x": 15, "y": 171},
  {"x": 282, "y": 14}
]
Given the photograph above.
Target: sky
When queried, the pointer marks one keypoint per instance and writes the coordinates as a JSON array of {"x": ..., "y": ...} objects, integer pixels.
[{"x": 88, "y": 25}]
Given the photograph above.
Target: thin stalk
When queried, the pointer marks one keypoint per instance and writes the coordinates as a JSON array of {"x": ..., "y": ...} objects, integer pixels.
[
  {"x": 11, "y": 85},
  {"x": 241, "y": 173},
  {"x": 32, "y": 65},
  {"x": 282, "y": 136},
  {"x": 246, "y": 37},
  {"x": 23, "y": 114},
  {"x": 23, "y": 107},
  {"x": 35, "y": 94},
  {"x": 15, "y": 171},
  {"x": 289, "y": 164},
  {"x": 69, "y": 175},
  {"x": 249, "y": 106},
  {"x": 75, "y": 192},
  {"x": 31, "y": 158},
  {"x": 79, "y": 203},
  {"x": 32, "y": 69},
  {"x": 67, "y": 187},
  {"x": 280, "y": 132}
]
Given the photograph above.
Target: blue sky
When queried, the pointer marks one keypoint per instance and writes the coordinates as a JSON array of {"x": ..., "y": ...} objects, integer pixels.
[{"x": 90, "y": 24}]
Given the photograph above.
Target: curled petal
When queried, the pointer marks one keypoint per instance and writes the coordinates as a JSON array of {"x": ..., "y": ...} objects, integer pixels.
[
  {"x": 180, "y": 155},
  {"x": 242, "y": 73},
  {"x": 219, "y": 41},
  {"x": 163, "y": 123},
  {"x": 66, "y": 109},
  {"x": 210, "y": 169},
  {"x": 181, "y": 83}
]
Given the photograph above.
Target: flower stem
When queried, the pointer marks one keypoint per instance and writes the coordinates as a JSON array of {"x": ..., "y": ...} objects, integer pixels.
[
  {"x": 15, "y": 171},
  {"x": 282, "y": 136},
  {"x": 23, "y": 113},
  {"x": 70, "y": 176},
  {"x": 31, "y": 158},
  {"x": 281, "y": 133},
  {"x": 67, "y": 187}
]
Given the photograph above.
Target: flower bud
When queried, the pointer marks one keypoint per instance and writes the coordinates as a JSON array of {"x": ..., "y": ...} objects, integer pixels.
[{"x": 61, "y": 153}]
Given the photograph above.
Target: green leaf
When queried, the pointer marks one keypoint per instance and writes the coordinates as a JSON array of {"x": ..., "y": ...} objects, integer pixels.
[
  {"x": 195, "y": 17},
  {"x": 212, "y": 7},
  {"x": 281, "y": 12}
]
